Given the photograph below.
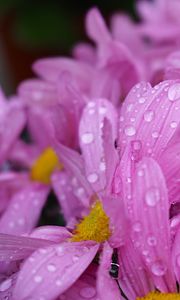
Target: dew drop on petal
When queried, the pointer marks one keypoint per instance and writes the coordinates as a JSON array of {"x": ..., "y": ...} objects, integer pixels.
[
  {"x": 5, "y": 285},
  {"x": 92, "y": 178},
  {"x": 158, "y": 268},
  {"x": 148, "y": 115},
  {"x": 137, "y": 227},
  {"x": 102, "y": 110},
  {"x": 173, "y": 124},
  {"x": 102, "y": 166},
  {"x": 141, "y": 100},
  {"x": 51, "y": 268},
  {"x": 38, "y": 278},
  {"x": 58, "y": 282},
  {"x": 87, "y": 138},
  {"x": 174, "y": 92},
  {"x": 152, "y": 196},
  {"x": 75, "y": 258},
  {"x": 155, "y": 134},
  {"x": 151, "y": 240},
  {"x": 129, "y": 131},
  {"x": 87, "y": 292}
]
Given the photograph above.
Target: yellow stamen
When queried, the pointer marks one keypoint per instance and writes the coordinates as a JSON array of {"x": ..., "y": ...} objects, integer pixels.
[
  {"x": 159, "y": 296},
  {"x": 93, "y": 227},
  {"x": 45, "y": 164}
]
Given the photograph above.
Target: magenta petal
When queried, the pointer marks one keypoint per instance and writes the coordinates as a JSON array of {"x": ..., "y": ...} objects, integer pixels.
[
  {"x": 172, "y": 68},
  {"x": 71, "y": 196},
  {"x": 134, "y": 278},
  {"x": 24, "y": 209},
  {"x": 73, "y": 162},
  {"x": 84, "y": 287},
  {"x": 51, "y": 233},
  {"x": 170, "y": 164},
  {"x": 107, "y": 287},
  {"x": 176, "y": 254},
  {"x": 151, "y": 222},
  {"x": 91, "y": 140},
  {"x": 14, "y": 248},
  {"x": 56, "y": 268},
  {"x": 140, "y": 121},
  {"x": 96, "y": 27}
]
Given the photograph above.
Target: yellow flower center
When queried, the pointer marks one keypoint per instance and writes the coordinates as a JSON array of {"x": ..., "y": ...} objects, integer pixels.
[
  {"x": 159, "y": 296},
  {"x": 93, "y": 227},
  {"x": 45, "y": 164}
]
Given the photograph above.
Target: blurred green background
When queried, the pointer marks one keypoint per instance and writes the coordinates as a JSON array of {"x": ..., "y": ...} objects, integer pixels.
[{"x": 31, "y": 29}]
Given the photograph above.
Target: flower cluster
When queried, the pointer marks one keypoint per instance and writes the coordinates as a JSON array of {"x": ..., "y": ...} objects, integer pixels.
[{"x": 104, "y": 130}]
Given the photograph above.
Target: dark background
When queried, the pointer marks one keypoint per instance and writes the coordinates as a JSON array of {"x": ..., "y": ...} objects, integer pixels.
[{"x": 32, "y": 29}]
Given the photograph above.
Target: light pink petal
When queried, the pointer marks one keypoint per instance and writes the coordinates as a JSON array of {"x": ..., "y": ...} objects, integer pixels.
[
  {"x": 14, "y": 248},
  {"x": 11, "y": 126},
  {"x": 37, "y": 92},
  {"x": 73, "y": 163},
  {"x": 172, "y": 66},
  {"x": 24, "y": 209},
  {"x": 56, "y": 269},
  {"x": 176, "y": 254},
  {"x": 107, "y": 287},
  {"x": 170, "y": 164},
  {"x": 7, "y": 286},
  {"x": 134, "y": 278},
  {"x": 114, "y": 208},
  {"x": 84, "y": 52},
  {"x": 174, "y": 226},
  {"x": 71, "y": 196},
  {"x": 150, "y": 115},
  {"x": 84, "y": 287},
  {"x": 96, "y": 27},
  {"x": 91, "y": 141},
  {"x": 24, "y": 154},
  {"x": 51, "y": 233},
  {"x": 51, "y": 69},
  {"x": 151, "y": 226}
]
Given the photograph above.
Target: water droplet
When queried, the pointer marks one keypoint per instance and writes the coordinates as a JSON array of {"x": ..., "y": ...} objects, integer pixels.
[
  {"x": 129, "y": 130},
  {"x": 173, "y": 124},
  {"x": 5, "y": 285},
  {"x": 148, "y": 115},
  {"x": 155, "y": 134},
  {"x": 158, "y": 268},
  {"x": 91, "y": 104},
  {"x": 11, "y": 224},
  {"x": 174, "y": 92},
  {"x": 42, "y": 251},
  {"x": 38, "y": 278},
  {"x": 51, "y": 268},
  {"x": 151, "y": 240},
  {"x": 102, "y": 110},
  {"x": 141, "y": 100},
  {"x": 59, "y": 250},
  {"x": 58, "y": 282},
  {"x": 102, "y": 166},
  {"x": 137, "y": 227},
  {"x": 75, "y": 258},
  {"x": 140, "y": 173},
  {"x": 88, "y": 292},
  {"x": 92, "y": 178},
  {"x": 87, "y": 138},
  {"x": 152, "y": 196}
]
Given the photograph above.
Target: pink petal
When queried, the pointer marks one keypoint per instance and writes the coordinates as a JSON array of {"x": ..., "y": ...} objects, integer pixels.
[
  {"x": 51, "y": 69},
  {"x": 84, "y": 52},
  {"x": 134, "y": 278},
  {"x": 106, "y": 286},
  {"x": 150, "y": 115},
  {"x": 71, "y": 196},
  {"x": 7, "y": 286},
  {"x": 56, "y": 269},
  {"x": 14, "y": 248},
  {"x": 91, "y": 141},
  {"x": 151, "y": 226},
  {"x": 84, "y": 287},
  {"x": 172, "y": 66},
  {"x": 170, "y": 164},
  {"x": 24, "y": 209},
  {"x": 37, "y": 92},
  {"x": 51, "y": 233},
  {"x": 176, "y": 255},
  {"x": 73, "y": 163},
  {"x": 96, "y": 27}
]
